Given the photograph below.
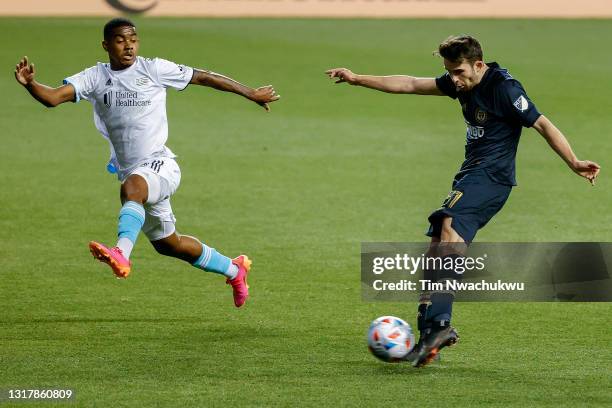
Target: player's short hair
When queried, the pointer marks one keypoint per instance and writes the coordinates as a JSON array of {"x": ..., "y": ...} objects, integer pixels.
[
  {"x": 114, "y": 23},
  {"x": 459, "y": 48}
]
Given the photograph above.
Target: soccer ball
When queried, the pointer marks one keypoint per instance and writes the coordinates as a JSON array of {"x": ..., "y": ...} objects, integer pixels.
[{"x": 390, "y": 339}]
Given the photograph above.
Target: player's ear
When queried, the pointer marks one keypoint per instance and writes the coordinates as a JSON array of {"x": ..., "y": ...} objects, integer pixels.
[{"x": 105, "y": 45}]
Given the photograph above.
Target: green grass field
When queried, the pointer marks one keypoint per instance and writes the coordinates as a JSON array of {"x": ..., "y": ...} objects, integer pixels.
[{"x": 298, "y": 190}]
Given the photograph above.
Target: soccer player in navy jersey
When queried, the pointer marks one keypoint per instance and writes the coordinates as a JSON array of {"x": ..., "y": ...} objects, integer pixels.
[{"x": 495, "y": 107}]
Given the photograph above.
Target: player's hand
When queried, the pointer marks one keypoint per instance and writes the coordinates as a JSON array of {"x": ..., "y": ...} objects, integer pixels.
[
  {"x": 24, "y": 72},
  {"x": 587, "y": 169},
  {"x": 264, "y": 95},
  {"x": 343, "y": 75}
]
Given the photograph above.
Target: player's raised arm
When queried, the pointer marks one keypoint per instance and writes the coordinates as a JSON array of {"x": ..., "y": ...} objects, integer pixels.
[
  {"x": 50, "y": 97},
  {"x": 261, "y": 96},
  {"x": 403, "y": 84},
  {"x": 559, "y": 144}
]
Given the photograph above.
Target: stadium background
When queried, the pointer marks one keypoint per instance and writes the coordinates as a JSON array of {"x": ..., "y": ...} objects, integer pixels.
[{"x": 297, "y": 189}]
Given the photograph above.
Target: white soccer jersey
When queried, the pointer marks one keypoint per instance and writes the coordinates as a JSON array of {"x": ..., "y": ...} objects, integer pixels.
[{"x": 130, "y": 107}]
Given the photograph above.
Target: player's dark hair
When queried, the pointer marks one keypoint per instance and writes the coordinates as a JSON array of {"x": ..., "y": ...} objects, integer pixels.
[
  {"x": 114, "y": 23},
  {"x": 460, "y": 48}
]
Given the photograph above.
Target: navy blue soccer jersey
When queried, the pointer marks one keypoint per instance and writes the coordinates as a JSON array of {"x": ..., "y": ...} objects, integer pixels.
[{"x": 495, "y": 112}]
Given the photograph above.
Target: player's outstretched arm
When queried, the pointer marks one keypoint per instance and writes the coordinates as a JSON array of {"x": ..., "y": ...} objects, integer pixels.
[
  {"x": 559, "y": 144},
  {"x": 50, "y": 97},
  {"x": 403, "y": 84},
  {"x": 262, "y": 96}
]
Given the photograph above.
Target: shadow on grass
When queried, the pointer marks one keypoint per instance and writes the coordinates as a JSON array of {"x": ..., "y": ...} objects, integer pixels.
[{"x": 447, "y": 368}]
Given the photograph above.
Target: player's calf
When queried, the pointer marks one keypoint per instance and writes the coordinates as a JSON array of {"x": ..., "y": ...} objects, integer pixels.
[
  {"x": 208, "y": 259},
  {"x": 179, "y": 246}
]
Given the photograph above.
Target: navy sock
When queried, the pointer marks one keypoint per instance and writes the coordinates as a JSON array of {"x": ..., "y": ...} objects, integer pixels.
[
  {"x": 422, "y": 323},
  {"x": 440, "y": 312}
]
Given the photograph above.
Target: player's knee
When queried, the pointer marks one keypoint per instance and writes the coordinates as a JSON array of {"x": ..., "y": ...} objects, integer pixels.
[
  {"x": 134, "y": 188},
  {"x": 447, "y": 233}
]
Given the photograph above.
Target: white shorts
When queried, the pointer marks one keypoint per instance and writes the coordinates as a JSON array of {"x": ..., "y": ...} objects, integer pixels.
[{"x": 163, "y": 177}]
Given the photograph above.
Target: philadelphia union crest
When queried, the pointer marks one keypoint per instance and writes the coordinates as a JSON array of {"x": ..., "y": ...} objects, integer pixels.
[{"x": 481, "y": 116}]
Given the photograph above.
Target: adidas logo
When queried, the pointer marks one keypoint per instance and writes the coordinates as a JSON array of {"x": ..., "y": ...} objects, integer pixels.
[{"x": 109, "y": 82}]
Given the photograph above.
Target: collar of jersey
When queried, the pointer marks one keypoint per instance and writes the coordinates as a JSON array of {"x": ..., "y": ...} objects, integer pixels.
[
  {"x": 487, "y": 75},
  {"x": 124, "y": 70}
]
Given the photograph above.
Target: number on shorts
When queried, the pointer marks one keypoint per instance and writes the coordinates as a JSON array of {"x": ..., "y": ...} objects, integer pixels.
[{"x": 452, "y": 198}]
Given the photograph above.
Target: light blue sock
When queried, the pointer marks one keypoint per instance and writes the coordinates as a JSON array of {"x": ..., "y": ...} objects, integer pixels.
[
  {"x": 131, "y": 220},
  {"x": 212, "y": 261}
]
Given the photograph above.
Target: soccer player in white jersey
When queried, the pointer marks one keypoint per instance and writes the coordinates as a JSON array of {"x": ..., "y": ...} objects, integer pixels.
[{"x": 128, "y": 95}]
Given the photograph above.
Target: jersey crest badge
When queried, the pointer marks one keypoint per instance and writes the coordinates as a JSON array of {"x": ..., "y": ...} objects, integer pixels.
[
  {"x": 480, "y": 115},
  {"x": 521, "y": 103},
  {"x": 142, "y": 81}
]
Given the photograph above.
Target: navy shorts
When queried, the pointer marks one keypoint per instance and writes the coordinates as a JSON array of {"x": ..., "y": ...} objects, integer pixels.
[{"x": 473, "y": 201}]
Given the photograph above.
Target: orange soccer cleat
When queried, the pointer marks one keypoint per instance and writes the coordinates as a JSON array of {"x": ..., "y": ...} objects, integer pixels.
[{"x": 113, "y": 257}]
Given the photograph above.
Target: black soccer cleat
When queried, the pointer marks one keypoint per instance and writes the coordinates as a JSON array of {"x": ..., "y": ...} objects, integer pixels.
[
  {"x": 416, "y": 350},
  {"x": 414, "y": 353},
  {"x": 427, "y": 348}
]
